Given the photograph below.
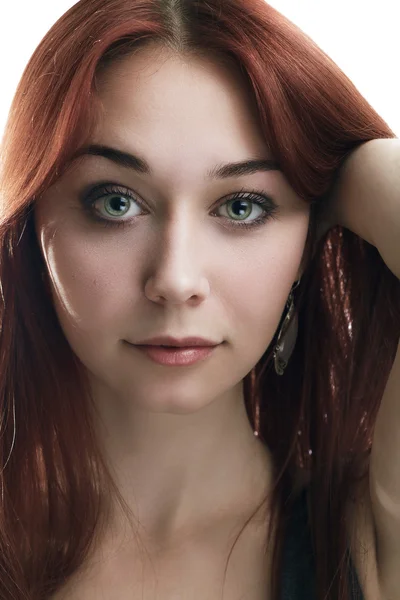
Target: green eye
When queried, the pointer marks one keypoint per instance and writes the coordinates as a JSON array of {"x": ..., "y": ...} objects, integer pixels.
[
  {"x": 238, "y": 205},
  {"x": 107, "y": 203},
  {"x": 117, "y": 205}
]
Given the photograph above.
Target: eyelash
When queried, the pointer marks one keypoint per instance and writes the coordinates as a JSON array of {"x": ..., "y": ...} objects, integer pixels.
[{"x": 269, "y": 207}]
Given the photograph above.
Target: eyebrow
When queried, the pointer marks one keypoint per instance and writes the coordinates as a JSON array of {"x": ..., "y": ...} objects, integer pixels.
[{"x": 140, "y": 165}]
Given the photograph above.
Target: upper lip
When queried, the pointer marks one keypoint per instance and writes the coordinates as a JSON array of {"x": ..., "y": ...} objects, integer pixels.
[{"x": 180, "y": 342}]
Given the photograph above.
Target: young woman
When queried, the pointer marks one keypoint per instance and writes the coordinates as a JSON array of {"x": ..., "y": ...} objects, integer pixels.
[{"x": 200, "y": 314}]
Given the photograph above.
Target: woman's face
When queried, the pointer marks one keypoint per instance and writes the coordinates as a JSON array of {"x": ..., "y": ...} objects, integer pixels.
[{"x": 167, "y": 250}]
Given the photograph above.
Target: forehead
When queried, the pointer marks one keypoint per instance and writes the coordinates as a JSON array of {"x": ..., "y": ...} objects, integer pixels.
[
  {"x": 137, "y": 80},
  {"x": 185, "y": 111}
]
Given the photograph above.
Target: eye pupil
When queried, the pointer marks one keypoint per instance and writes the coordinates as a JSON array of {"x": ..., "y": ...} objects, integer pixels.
[
  {"x": 242, "y": 206},
  {"x": 116, "y": 204}
]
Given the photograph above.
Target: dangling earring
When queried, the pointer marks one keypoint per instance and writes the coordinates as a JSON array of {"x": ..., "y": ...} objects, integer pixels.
[
  {"x": 287, "y": 335},
  {"x": 282, "y": 351}
]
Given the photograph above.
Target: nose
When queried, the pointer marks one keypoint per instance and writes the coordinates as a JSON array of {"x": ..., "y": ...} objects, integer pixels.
[{"x": 176, "y": 259}]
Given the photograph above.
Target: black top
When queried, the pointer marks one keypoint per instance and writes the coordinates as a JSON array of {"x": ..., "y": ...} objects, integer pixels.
[{"x": 298, "y": 575}]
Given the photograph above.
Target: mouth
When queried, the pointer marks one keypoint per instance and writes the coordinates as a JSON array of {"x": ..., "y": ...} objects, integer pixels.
[
  {"x": 177, "y": 342},
  {"x": 175, "y": 356}
]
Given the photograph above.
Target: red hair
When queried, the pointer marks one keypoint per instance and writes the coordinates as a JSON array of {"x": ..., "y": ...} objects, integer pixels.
[{"x": 55, "y": 486}]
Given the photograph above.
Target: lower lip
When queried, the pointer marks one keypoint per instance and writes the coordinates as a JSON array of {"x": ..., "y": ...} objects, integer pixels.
[{"x": 177, "y": 357}]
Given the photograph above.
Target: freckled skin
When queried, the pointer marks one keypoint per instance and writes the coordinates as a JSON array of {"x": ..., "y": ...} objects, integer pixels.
[{"x": 173, "y": 269}]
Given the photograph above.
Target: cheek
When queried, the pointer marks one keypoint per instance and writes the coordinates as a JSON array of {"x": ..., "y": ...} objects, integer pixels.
[
  {"x": 258, "y": 305},
  {"x": 98, "y": 278},
  {"x": 91, "y": 281},
  {"x": 262, "y": 282}
]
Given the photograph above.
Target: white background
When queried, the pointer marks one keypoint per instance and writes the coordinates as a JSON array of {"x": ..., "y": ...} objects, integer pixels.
[{"x": 360, "y": 36}]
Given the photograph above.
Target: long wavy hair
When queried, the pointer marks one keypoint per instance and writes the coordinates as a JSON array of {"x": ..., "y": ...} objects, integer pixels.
[{"x": 318, "y": 417}]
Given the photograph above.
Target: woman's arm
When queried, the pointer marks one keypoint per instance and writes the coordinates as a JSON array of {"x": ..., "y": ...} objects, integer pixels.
[
  {"x": 367, "y": 201},
  {"x": 367, "y": 197}
]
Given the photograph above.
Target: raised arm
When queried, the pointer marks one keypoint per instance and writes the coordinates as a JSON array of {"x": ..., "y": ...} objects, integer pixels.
[{"x": 367, "y": 201}]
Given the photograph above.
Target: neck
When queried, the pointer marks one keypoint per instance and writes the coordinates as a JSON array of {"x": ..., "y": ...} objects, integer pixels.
[{"x": 177, "y": 471}]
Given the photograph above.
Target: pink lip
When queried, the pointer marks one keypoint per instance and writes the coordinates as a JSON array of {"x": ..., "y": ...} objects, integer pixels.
[{"x": 176, "y": 357}]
